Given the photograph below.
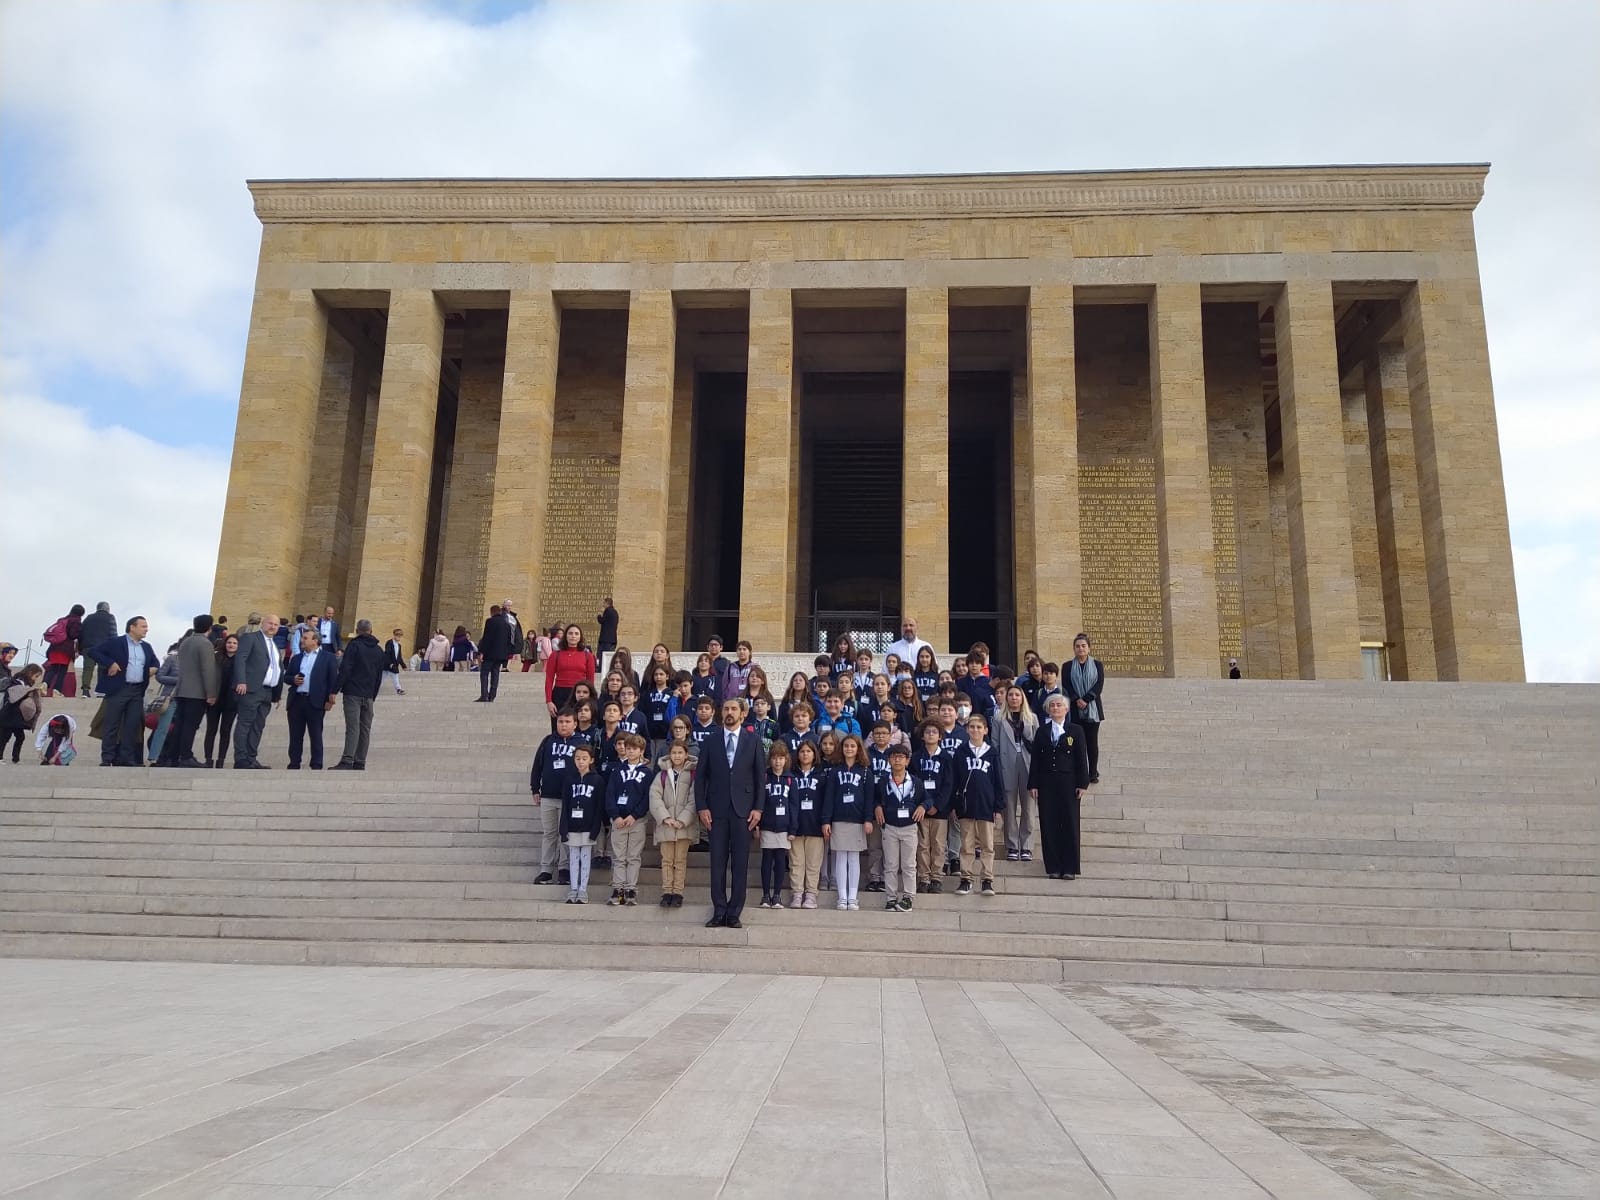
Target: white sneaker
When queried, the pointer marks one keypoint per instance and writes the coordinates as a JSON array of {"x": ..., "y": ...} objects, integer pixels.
[
  {"x": 843, "y": 906},
  {"x": 855, "y": 906}
]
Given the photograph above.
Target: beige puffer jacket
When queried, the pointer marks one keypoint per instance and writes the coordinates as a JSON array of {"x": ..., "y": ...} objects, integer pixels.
[{"x": 675, "y": 801}]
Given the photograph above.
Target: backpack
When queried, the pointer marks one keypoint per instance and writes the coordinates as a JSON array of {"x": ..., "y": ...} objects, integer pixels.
[{"x": 57, "y": 633}]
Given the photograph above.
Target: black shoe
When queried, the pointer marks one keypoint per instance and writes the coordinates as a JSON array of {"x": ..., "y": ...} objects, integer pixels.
[
  {"x": 666, "y": 900},
  {"x": 545, "y": 877},
  {"x": 677, "y": 900},
  {"x": 891, "y": 905},
  {"x": 922, "y": 887},
  {"x": 565, "y": 876},
  {"x": 716, "y": 923},
  {"x": 1012, "y": 856},
  {"x": 1069, "y": 877},
  {"x": 294, "y": 766},
  {"x": 361, "y": 766},
  {"x": 1027, "y": 856},
  {"x": 192, "y": 762},
  {"x": 1094, "y": 779},
  {"x": 965, "y": 889},
  {"x": 732, "y": 923},
  {"x": 988, "y": 888},
  {"x": 481, "y": 700},
  {"x": 935, "y": 887},
  {"x": 344, "y": 766},
  {"x": 630, "y": 898},
  {"x": 700, "y": 848},
  {"x": 952, "y": 866}
]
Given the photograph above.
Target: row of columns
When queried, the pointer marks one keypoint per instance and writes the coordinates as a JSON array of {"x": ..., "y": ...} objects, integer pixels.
[{"x": 1430, "y": 410}]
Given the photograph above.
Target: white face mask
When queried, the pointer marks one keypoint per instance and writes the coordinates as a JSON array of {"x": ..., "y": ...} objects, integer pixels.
[{"x": 964, "y": 711}]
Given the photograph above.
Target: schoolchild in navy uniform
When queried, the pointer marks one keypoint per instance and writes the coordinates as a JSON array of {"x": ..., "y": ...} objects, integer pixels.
[
  {"x": 908, "y": 706},
  {"x": 705, "y": 680},
  {"x": 821, "y": 676},
  {"x": 847, "y": 817},
  {"x": 704, "y": 723},
  {"x": 657, "y": 708},
  {"x": 607, "y": 757},
  {"x": 800, "y": 728},
  {"x": 633, "y": 718},
  {"x": 899, "y": 812},
  {"x": 934, "y": 770},
  {"x": 843, "y": 661},
  {"x": 552, "y": 773},
  {"x": 627, "y": 806},
  {"x": 806, "y": 843},
  {"x": 582, "y": 816},
  {"x": 980, "y": 800},
  {"x": 878, "y": 759},
  {"x": 861, "y": 678},
  {"x": 798, "y": 692},
  {"x": 976, "y": 685},
  {"x": 1049, "y": 685},
  {"x": 760, "y": 721},
  {"x": 1031, "y": 681},
  {"x": 925, "y": 674},
  {"x": 870, "y": 700},
  {"x": 682, "y": 702},
  {"x": 777, "y": 823}
]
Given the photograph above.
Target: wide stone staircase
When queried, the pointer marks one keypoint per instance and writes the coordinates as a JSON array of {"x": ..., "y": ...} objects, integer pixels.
[{"x": 1403, "y": 837}]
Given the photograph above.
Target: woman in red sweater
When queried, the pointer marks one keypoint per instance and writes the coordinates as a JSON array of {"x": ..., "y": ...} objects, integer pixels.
[{"x": 572, "y": 663}]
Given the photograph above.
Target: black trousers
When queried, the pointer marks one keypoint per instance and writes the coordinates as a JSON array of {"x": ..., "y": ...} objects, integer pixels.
[
  {"x": 217, "y": 716},
  {"x": 774, "y": 871},
  {"x": 1058, "y": 826},
  {"x": 190, "y": 713},
  {"x": 122, "y": 732},
  {"x": 1091, "y": 743},
  {"x": 305, "y": 718},
  {"x": 5, "y": 739},
  {"x": 489, "y": 678},
  {"x": 730, "y": 850},
  {"x": 559, "y": 697}
]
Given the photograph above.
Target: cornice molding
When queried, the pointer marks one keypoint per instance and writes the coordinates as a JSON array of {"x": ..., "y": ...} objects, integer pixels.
[{"x": 896, "y": 197}]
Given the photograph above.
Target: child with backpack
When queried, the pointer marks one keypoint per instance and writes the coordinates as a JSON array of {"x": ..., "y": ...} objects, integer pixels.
[{"x": 19, "y": 708}]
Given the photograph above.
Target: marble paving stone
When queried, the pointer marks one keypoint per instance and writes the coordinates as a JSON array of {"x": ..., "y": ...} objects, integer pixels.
[{"x": 299, "y": 1083}]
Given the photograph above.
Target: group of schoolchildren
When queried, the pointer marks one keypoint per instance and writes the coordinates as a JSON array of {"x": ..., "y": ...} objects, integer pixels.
[{"x": 898, "y": 765}]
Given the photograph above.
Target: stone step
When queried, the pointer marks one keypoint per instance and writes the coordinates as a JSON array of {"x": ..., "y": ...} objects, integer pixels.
[
  {"x": 932, "y": 912},
  {"x": 798, "y": 932},
  {"x": 735, "y": 956}
]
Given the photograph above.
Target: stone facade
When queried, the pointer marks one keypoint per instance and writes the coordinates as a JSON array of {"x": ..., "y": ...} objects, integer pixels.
[{"x": 1201, "y": 414}]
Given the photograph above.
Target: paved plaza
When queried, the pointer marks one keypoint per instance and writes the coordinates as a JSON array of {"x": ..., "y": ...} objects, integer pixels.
[{"x": 215, "y": 1082}]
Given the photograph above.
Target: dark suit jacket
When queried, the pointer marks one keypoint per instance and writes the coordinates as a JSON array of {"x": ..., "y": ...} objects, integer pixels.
[
  {"x": 333, "y": 641},
  {"x": 250, "y": 664},
  {"x": 115, "y": 650},
  {"x": 324, "y": 677},
  {"x": 727, "y": 791},
  {"x": 501, "y": 639},
  {"x": 1059, "y": 763}
]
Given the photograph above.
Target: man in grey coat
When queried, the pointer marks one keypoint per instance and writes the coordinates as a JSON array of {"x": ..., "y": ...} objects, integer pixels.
[
  {"x": 257, "y": 669},
  {"x": 199, "y": 684}
]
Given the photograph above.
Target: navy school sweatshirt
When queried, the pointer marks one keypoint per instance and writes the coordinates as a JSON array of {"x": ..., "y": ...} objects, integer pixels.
[
  {"x": 583, "y": 805},
  {"x": 897, "y": 804},
  {"x": 936, "y": 775},
  {"x": 847, "y": 796},
  {"x": 980, "y": 792},
  {"x": 808, "y": 803},
  {"x": 628, "y": 790},
  {"x": 552, "y": 765},
  {"x": 778, "y": 804}
]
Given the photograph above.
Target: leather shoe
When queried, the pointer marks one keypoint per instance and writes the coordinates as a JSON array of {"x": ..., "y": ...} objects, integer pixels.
[
  {"x": 715, "y": 923},
  {"x": 193, "y": 762},
  {"x": 344, "y": 766},
  {"x": 733, "y": 923}
]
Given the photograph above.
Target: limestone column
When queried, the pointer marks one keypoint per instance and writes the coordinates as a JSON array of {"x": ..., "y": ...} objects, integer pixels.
[
  {"x": 1052, "y": 576},
  {"x": 402, "y": 464},
  {"x": 766, "y": 546},
  {"x": 1402, "y": 561},
  {"x": 679, "y": 480},
  {"x": 324, "y": 556},
  {"x": 1022, "y": 531},
  {"x": 639, "y": 563},
  {"x": 1465, "y": 532},
  {"x": 925, "y": 473},
  {"x": 1320, "y": 557},
  {"x": 522, "y": 453},
  {"x": 1184, "y": 533},
  {"x": 263, "y": 517}
]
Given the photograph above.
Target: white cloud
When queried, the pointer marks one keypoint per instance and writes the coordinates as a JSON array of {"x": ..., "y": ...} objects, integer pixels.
[
  {"x": 129, "y": 247},
  {"x": 1558, "y": 592},
  {"x": 91, "y": 514}
]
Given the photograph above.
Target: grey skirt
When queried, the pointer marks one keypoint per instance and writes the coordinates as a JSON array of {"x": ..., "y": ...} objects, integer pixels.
[
  {"x": 774, "y": 840},
  {"x": 848, "y": 836}
]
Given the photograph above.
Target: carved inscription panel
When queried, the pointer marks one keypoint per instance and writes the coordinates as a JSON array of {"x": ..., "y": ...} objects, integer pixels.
[
  {"x": 580, "y": 536},
  {"x": 1230, "y": 579},
  {"x": 1121, "y": 564}
]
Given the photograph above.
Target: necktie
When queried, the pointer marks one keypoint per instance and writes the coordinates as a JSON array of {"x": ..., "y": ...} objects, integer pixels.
[{"x": 733, "y": 744}]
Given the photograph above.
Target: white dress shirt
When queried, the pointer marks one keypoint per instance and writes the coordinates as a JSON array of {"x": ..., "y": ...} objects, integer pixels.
[
  {"x": 308, "y": 661},
  {"x": 274, "y": 668}
]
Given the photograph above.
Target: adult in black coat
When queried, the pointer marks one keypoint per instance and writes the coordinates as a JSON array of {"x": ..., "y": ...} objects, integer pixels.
[
  {"x": 99, "y": 626},
  {"x": 315, "y": 669},
  {"x": 728, "y": 787},
  {"x": 1057, "y": 777},
  {"x": 360, "y": 673},
  {"x": 257, "y": 671},
  {"x": 502, "y": 637},
  {"x": 129, "y": 665},
  {"x": 606, "y": 639},
  {"x": 1083, "y": 679}
]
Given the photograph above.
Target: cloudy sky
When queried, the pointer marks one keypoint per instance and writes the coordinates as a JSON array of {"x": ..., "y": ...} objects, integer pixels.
[{"x": 128, "y": 246}]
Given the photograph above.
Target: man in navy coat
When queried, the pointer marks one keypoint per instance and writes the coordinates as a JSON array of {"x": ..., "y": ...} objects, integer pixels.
[
  {"x": 129, "y": 665},
  {"x": 728, "y": 786},
  {"x": 313, "y": 682}
]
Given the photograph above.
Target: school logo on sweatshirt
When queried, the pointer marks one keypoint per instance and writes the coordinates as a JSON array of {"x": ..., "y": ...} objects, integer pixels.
[{"x": 978, "y": 763}]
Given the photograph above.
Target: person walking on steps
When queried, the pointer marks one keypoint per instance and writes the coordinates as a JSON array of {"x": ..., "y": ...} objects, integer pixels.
[{"x": 502, "y": 636}]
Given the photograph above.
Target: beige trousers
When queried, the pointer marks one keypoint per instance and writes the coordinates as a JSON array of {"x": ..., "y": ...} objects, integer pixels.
[
  {"x": 977, "y": 850},
  {"x": 805, "y": 864},
  {"x": 627, "y": 852},
  {"x": 674, "y": 865},
  {"x": 930, "y": 849}
]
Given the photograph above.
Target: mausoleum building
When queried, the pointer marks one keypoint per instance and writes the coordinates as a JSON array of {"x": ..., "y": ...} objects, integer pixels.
[{"x": 1201, "y": 414}]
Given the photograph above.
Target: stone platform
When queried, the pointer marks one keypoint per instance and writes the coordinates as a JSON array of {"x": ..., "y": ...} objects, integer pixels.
[
  {"x": 1403, "y": 838},
  {"x": 178, "y": 1081}
]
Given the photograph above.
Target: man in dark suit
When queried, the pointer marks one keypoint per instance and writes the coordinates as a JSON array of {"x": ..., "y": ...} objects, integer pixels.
[
  {"x": 502, "y": 637},
  {"x": 313, "y": 681},
  {"x": 129, "y": 665},
  {"x": 328, "y": 630},
  {"x": 728, "y": 787},
  {"x": 256, "y": 672}
]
